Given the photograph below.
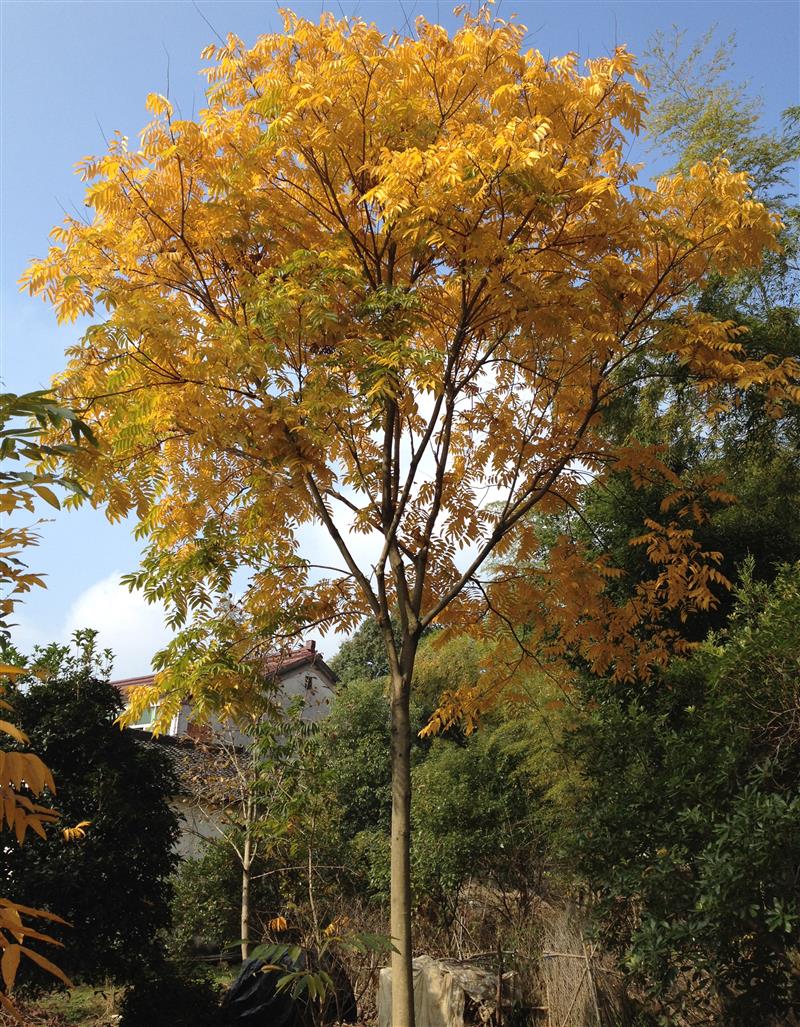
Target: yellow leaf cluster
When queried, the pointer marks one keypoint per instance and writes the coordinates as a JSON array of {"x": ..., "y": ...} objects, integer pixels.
[
  {"x": 23, "y": 777},
  {"x": 14, "y": 931},
  {"x": 569, "y": 614},
  {"x": 73, "y": 834}
]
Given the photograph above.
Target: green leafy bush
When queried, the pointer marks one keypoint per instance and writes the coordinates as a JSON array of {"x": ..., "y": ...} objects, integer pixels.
[{"x": 689, "y": 827}]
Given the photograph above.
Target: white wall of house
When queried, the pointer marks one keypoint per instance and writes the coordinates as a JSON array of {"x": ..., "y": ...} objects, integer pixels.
[
  {"x": 180, "y": 727},
  {"x": 197, "y": 827},
  {"x": 314, "y": 685},
  {"x": 308, "y": 681}
]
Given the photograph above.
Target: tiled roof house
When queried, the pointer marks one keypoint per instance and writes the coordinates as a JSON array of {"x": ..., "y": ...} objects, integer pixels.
[{"x": 300, "y": 671}]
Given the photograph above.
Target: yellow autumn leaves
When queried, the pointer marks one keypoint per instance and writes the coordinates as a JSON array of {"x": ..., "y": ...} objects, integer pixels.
[
  {"x": 377, "y": 280},
  {"x": 20, "y": 772}
]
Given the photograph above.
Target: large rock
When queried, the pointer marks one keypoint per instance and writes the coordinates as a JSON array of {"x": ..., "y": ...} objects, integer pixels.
[{"x": 448, "y": 993}]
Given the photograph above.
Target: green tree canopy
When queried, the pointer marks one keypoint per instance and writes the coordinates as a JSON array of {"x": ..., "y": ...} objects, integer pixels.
[{"x": 111, "y": 885}]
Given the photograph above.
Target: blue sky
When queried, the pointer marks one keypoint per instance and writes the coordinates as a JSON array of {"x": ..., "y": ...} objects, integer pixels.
[{"x": 72, "y": 71}]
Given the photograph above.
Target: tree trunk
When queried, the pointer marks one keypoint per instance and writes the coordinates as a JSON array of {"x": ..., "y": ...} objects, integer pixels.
[
  {"x": 400, "y": 919},
  {"x": 245, "y": 918}
]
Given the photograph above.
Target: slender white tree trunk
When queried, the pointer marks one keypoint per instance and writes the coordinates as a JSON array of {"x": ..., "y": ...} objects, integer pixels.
[
  {"x": 400, "y": 919},
  {"x": 247, "y": 861}
]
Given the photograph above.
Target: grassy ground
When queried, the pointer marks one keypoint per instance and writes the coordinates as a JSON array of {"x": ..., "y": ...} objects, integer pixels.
[{"x": 84, "y": 1006}]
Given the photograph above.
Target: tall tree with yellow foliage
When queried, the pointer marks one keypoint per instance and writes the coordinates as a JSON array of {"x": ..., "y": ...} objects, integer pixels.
[{"x": 387, "y": 285}]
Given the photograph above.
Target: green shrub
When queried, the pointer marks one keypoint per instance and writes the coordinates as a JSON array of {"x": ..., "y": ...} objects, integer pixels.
[
  {"x": 689, "y": 827},
  {"x": 173, "y": 994}
]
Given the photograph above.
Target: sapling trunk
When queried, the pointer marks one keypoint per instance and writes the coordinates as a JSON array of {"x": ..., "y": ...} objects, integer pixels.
[
  {"x": 247, "y": 861},
  {"x": 400, "y": 917}
]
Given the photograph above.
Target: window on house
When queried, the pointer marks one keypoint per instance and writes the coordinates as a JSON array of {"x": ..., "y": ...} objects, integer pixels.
[
  {"x": 146, "y": 717},
  {"x": 309, "y": 683}
]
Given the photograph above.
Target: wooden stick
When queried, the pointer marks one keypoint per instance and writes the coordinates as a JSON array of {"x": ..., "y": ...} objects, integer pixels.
[
  {"x": 499, "y": 997},
  {"x": 577, "y": 990},
  {"x": 574, "y": 955},
  {"x": 591, "y": 982}
]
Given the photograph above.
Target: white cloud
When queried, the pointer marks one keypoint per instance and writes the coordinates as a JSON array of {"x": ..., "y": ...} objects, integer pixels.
[{"x": 127, "y": 624}]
